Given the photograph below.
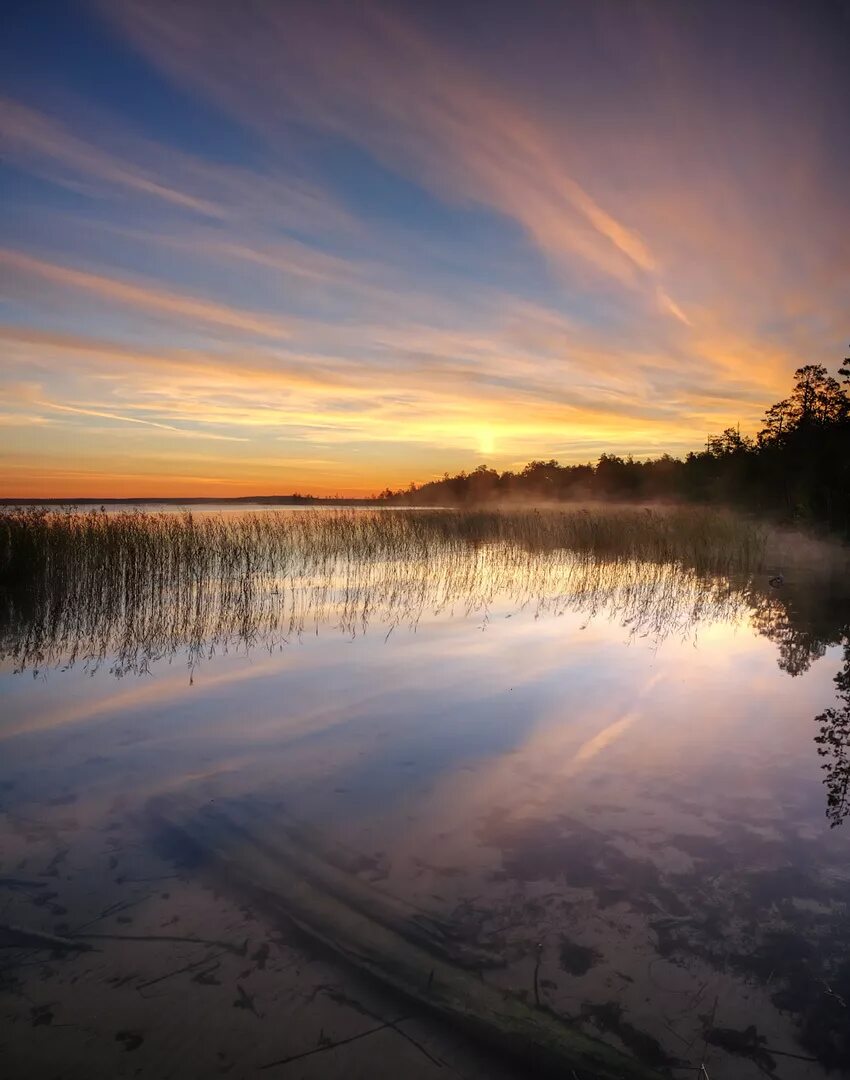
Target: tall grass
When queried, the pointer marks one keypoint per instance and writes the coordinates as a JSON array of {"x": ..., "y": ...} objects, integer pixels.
[
  {"x": 131, "y": 587},
  {"x": 36, "y": 544}
]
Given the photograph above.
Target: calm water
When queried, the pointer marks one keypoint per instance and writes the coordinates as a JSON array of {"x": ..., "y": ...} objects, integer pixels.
[{"x": 603, "y": 775}]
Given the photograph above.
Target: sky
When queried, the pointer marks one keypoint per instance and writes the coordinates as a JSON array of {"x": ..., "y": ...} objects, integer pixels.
[{"x": 332, "y": 247}]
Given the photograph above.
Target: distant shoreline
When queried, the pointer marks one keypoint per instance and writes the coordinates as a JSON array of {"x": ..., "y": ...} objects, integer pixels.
[{"x": 198, "y": 500}]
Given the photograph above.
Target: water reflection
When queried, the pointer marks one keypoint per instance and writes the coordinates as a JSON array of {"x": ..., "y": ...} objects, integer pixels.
[
  {"x": 833, "y": 741},
  {"x": 250, "y": 593},
  {"x": 103, "y": 621},
  {"x": 591, "y": 767},
  {"x": 804, "y": 623}
]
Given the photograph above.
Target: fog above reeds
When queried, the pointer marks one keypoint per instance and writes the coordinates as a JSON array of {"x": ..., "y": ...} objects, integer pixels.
[{"x": 127, "y": 589}]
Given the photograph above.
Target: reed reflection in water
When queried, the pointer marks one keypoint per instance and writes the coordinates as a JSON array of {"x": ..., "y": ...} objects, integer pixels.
[{"x": 130, "y": 589}]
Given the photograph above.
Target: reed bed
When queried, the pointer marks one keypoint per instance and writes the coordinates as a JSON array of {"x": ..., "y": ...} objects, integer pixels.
[
  {"x": 37, "y": 544},
  {"x": 129, "y": 588}
]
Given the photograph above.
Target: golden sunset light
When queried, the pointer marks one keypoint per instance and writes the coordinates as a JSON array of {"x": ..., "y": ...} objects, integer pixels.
[{"x": 375, "y": 246}]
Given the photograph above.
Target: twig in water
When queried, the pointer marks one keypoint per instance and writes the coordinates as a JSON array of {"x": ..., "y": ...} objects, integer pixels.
[
  {"x": 539, "y": 948},
  {"x": 788, "y": 1054},
  {"x": 340, "y": 997},
  {"x": 112, "y": 909},
  {"x": 26, "y": 936},
  {"x": 22, "y": 883},
  {"x": 239, "y": 950},
  {"x": 333, "y": 1045},
  {"x": 178, "y": 971},
  {"x": 828, "y": 989},
  {"x": 703, "y": 1070}
]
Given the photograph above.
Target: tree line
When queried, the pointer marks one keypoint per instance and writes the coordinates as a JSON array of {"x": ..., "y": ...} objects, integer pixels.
[{"x": 797, "y": 467}]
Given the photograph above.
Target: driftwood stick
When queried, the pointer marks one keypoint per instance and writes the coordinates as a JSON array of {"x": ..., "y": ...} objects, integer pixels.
[
  {"x": 239, "y": 950},
  {"x": 178, "y": 971},
  {"x": 27, "y": 936},
  {"x": 22, "y": 883},
  {"x": 332, "y": 1045}
]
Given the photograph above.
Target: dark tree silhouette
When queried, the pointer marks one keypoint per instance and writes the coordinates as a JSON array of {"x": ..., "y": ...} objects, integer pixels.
[{"x": 796, "y": 469}]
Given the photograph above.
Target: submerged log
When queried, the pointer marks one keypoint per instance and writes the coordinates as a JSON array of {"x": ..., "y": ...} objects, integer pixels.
[
  {"x": 376, "y": 933},
  {"x": 329, "y": 868}
]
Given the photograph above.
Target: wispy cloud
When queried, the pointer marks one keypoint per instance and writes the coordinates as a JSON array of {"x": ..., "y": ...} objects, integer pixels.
[
  {"x": 137, "y": 420},
  {"x": 37, "y": 142},
  {"x": 150, "y": 298},
  {"x": 458, "y": 132},
  {"x": 117, "y": 161}
]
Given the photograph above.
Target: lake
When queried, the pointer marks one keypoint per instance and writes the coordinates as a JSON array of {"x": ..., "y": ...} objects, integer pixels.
[{"x": 257, "y": 768}]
